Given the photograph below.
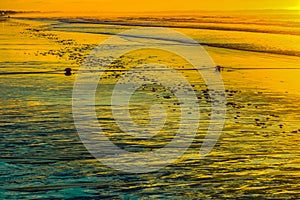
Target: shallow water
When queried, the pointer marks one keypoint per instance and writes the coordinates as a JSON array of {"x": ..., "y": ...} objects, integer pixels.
[{"x": 257, "y": 155}]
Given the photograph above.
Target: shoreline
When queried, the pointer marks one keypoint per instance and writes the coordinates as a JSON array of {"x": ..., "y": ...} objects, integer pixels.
[
  {"x": 274, "y": 62},
  {"x": 230, "y": 46}
]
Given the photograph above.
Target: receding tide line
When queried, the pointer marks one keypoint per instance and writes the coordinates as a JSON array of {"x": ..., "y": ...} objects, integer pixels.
[
  {"x": 124, "y": 70},
  {"x": 264, "y": 68},
  {"x": 17, "y": 73}
]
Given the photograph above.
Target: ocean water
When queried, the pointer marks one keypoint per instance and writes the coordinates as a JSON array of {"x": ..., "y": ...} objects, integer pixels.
[{"x": 256, "y": 156}]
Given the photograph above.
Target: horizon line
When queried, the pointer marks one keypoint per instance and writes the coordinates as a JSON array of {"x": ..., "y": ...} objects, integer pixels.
[{"x": 158, "y": 11}]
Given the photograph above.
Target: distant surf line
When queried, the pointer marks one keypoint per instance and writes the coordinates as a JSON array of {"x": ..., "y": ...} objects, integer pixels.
[
  {"x": 140, "y": 24},
  {"x": 230, "y": 46}
]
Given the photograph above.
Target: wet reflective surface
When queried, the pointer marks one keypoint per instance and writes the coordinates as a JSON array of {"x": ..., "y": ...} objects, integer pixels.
[{"x": 42, "y": 156}]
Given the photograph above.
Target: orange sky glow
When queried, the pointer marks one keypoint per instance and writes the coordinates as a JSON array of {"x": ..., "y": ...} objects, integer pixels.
[{"x": 145, "y": 5}]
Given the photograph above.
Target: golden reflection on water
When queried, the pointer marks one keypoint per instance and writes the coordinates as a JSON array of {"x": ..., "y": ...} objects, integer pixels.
[
  {"x": 148, "y": 95},
  {"x": 256, "y": 156}
]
